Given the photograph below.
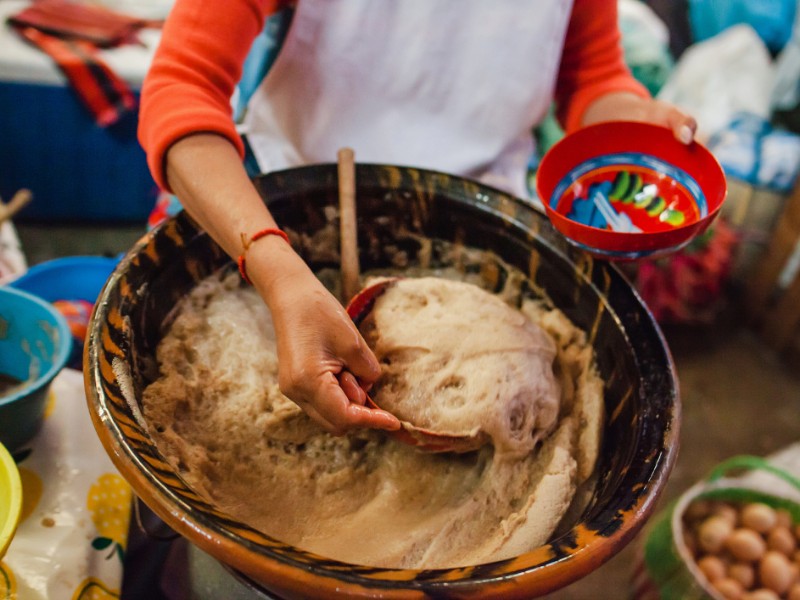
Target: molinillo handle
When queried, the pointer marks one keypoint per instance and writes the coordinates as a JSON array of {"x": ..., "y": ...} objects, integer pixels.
[{"x": 348, "y": 234}]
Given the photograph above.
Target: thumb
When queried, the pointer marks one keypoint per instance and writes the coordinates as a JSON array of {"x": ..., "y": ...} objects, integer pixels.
[
  {"x": 683, "y": 126},
  {"x": 361, "y": 362}
]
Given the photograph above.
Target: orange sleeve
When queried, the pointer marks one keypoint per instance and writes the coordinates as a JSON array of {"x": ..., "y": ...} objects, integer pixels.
[
  {"x": 593, "y": 63},
  {"x": 193, "y": 74}
]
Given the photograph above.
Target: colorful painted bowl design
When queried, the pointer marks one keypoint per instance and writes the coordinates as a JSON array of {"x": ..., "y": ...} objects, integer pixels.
[
  {"x": 630, "y": 190},
  {"x": 413, "y": 212}
]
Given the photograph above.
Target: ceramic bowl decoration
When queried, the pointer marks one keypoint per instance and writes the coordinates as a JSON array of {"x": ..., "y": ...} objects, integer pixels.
[
  {"x": 10, "y": 499},
  {"x": 627, "y": 190},
  {"x": 408, "y": 211},
  {"x": 71, "y": 284},
  {"x": 34, "y": 346}
]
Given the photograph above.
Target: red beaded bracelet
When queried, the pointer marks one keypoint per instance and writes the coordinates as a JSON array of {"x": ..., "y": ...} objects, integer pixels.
[{"x": 246, "y": 242}]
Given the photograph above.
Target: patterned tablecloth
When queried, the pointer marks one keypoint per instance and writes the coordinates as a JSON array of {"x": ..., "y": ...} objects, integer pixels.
[{"x": 71, "y": 540}]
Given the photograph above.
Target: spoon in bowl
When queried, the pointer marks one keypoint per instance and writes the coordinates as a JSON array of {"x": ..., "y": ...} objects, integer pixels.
[{"x": 361, "y": 302}]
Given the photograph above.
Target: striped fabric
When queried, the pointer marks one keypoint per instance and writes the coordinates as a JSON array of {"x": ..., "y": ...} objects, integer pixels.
[
  {"x": 107, "y": 96},
  {"x": 72, "y": 33}
]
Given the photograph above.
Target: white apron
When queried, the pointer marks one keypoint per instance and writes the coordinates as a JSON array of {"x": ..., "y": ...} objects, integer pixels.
[{"x": 449, "y": 85}]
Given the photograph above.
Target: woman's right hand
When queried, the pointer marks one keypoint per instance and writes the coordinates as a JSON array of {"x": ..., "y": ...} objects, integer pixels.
[
  {"x": 320, "y": 350},
  {"x": 324, "y": 364}
]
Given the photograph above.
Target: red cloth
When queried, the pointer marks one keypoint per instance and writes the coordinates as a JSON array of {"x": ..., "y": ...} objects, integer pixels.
[
  {"x": 71, "y": 33},
  {"x": 688, "y": 287},
  {"x": 68, "y": 19},
  {"x": 205, "y": 43},
  {"x": 107, "y": 96}
]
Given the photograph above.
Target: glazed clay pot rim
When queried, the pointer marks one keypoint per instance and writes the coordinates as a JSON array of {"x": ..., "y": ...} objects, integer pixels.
[
  {"x": 587, "y": 548},
  {"x": 584, "y": 556}
]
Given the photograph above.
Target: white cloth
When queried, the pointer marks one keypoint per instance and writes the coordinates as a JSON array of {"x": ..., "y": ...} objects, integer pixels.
[
  {"x": 12, "y": 259},
  {"x": 450, "y": 86},
  {"x": 75, "y": 510}
]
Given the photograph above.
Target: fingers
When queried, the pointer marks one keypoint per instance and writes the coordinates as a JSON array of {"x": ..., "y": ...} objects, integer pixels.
[
  {"x": 682, "y": 125},
  {"x": 338, "y": 414},
  {"x": 351, "y": 389},
  {"x": 372, "y": 418},
  {"x": 360, "y": 361},
  {"x": 319, "y": 419}
]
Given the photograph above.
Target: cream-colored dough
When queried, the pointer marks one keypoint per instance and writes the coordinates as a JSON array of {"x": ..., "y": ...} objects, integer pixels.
[{"x": 218, "y": 416}]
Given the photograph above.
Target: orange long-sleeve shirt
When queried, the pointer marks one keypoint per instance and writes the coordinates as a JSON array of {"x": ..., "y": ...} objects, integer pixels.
[{"x": 205, "y": 42}]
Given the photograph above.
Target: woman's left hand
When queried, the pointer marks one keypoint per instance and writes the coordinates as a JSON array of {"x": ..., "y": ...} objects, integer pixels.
[{"x": 625, "y": 106}]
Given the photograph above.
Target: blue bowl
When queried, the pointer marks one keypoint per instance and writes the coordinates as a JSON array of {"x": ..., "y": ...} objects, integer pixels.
[
  {"x": 71, "y": 278},
  {"x": 35, "y": 343},
  {"x": 68, "y": 278}
]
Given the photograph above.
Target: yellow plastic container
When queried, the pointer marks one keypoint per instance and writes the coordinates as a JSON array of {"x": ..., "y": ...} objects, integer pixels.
[{"x": 10, "y": 499}]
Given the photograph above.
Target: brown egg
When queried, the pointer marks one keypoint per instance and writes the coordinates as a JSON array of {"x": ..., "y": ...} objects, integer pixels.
[
  {"x": 697, "y": 510},
  {"x": 759, "y": 517},
  {"x": 784, "y": 518},
  {"x": 775, "y": 573},
  {"x": 761, "y": 594},
  {"x": 730, "y": 589},
  {"x": 727, "y": 512},
  {"x": 746, "y": 545},
  {"x": 712, "y": 567},
  {"x": 781, "y": 539},
  {"x": 743, "y": 573},
  {"x": 795, "y": 569},
  {"x": 794, "y": 592},
  {"x": 713, "y": 533}
]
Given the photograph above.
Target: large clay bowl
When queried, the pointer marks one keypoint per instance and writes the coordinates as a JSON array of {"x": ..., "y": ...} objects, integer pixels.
[{"x": 397, "y": 206}]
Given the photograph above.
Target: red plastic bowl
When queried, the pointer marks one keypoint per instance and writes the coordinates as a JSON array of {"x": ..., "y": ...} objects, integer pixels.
[{"x": 625, "y": 190}]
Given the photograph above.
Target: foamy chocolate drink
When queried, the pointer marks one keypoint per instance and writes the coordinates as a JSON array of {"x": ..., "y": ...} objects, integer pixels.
[
  {"x": 217, "y": 415},
  {"x": 459, "y": 364}
]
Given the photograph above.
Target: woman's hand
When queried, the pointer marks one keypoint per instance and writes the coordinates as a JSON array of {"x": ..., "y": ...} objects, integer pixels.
[
  {"x": 323, "y": 361},
  {"x": 324, "y": 364},
  {"x": 630, "y": 107}
]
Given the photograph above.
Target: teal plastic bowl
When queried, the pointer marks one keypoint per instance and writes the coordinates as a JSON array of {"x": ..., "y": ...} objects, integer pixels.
[
  {"x": 72, "y": 279},
  {"x": 35, "y": 343},
  {"x": 67, "y": 278}
]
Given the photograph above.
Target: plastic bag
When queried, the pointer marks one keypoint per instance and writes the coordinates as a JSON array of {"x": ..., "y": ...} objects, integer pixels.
[
  {"x": 752, "y": 150},
  {"x": 771, "y": 19},
  {"x": 725, "y": 75}
]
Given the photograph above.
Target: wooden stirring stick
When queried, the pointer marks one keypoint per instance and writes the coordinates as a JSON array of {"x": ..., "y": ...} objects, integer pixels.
[
  {"x": 16, "y": 204},
  {"x": 348, "y": 235}
]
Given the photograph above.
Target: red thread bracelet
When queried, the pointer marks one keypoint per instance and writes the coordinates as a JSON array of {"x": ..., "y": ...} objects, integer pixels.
[{"x": 255, "y": 237}]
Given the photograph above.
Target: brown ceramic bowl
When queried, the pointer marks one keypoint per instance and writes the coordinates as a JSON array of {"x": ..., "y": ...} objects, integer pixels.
[{"x": 398, "y": 207}]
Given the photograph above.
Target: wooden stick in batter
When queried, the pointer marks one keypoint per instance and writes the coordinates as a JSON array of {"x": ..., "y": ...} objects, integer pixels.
[{"x": 348, "y": 234}]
